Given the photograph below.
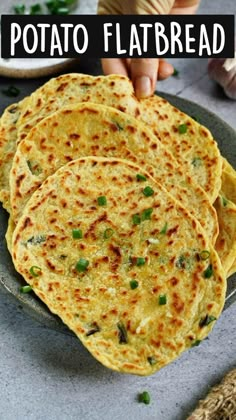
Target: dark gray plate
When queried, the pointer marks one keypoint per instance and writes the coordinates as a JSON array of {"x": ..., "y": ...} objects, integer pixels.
[{"x": 11, "y": 281}]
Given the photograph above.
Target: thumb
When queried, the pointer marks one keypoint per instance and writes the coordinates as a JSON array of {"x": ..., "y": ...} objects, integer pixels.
[{"x": 143, "y": 73}]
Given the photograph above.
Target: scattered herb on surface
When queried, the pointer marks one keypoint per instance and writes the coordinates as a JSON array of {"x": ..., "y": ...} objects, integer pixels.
[
  {"x": 140, "y": 261},
  {"x": 224, "y": 201},
  {"x": 26, "y": 289},
  {"x": 152, "y": 360},
  {"x": 180, "y": 263},
  {"x": 175, "y": 72},
  {"x": 162, "y": 300},
  {"x": 77, "y": 234},
  {"x": 164, "y": 229},
  {"x": 102, "y": 201},
  {"x": 94, "y": 329},
  {"x": 136, "y": 219},
  {"x": 35, "y": 271},
  {"x": 208, "y": 272},
  {"x": 196, "y": 162},
  {"x": 204, "y": 255},
  {"x": 108, "y": 233},
  {"x": 133, "y": 284},
  {"x": 146, "y": 214},
  {"x": 196, "y": 343},
  {"x": 82, "y": 265},
  {"x": 206, "y": 320},
  {"x": 144, "y": 397},
  {"x": 34, "y": 169},
  {"x": 35, "y": 9},
  {"x": 35, "y": 240},
  {"x": 123, "y": 337},
  {"x": 148, "y": 191},
  {"x": 19, "y": 9},
  {"x": 183, "y": 128},
  {"x": 11, "y": 91},
  {"x": 196, "y": 118},
  {"x": 141, "y": 177}
]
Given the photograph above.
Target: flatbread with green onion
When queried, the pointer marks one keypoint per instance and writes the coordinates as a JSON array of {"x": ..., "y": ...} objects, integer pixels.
[
  {"x": 121, "y": 262},
  {"x": 92, "y": 129},
  {"x": 195, "y": 149}
]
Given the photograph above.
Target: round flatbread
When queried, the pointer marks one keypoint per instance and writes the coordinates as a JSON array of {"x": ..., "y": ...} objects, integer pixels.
[
  {"x": 121, "y": 262},
  {"x": 91, "y": 129}
]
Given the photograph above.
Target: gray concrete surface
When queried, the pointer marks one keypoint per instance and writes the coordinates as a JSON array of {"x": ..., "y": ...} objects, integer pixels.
[{"x": 45, "y": 375}]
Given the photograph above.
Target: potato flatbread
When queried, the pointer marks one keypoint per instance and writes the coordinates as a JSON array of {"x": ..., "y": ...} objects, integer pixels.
[
  {"x": 91, "y": 129},
  {"x": 196, "y": 150},
  {"x": 121, "y": 262}
]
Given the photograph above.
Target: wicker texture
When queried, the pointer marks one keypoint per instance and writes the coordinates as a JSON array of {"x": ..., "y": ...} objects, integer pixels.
[{"x": 220, "y": 403}]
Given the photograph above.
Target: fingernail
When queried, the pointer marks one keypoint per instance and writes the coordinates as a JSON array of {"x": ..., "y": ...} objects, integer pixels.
[{"x": 143, "y": 87}]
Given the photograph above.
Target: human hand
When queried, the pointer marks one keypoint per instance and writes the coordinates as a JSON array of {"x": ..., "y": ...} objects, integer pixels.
[{"x": 143, "y": 72}]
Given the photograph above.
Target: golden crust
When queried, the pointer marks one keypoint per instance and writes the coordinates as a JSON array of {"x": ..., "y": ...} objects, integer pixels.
[{"x": 87, "y": 281}]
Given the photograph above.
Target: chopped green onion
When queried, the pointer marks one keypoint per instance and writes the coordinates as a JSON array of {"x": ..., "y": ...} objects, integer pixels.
[
  {"x": 152, "y": 360},
  {"x": 146, "y": 214},
  {"x": 77, "y": 234},
  {"x": 82, "y": 265},
  {"x": 62, "y": 256},
  {"x": 224, "y": 201},
  {"x": 144, "y": 397},
  {"x": 26, "y": 289},
  {"x": 180, "y": 263},
  {"x": 62, "y": 11},
  {"x": 34, "y": 169},
  {"x": 196, "y": 343},
  {"x": 119, "y": 126},
  {"x": 183, "y": 128},
  {"x": 175, "y": 72},
  {"x": 59, "y": 7},
  {"x": 196, "y": 118},
  {"x": 19, "y": 9},
  {"x": 35, "y": 9},
  {"x": 141, "y": 177},
  {"x": 11, "y": 91},
  {"x": 207, "y": 320},
  {"x": 123, "y": 337},
  {"x": 197, "y": 162},
  {"x": 95, "y": 328},
  {"x": 164, "y": 229},
  {"x": 136, "y": 219},
  {"x": 208, "y": 272},
  {"x": 35, "y": 271},
  {"x": 35, "y": 240},
  {"x": 148, "y": 191},
  {"x": 133, "y": 284},
  {"x": 140, "y": 261},
  {"x": 162, "y": 300},
  {"x": 102, "y": 201},
  {"x": 108, "y": 233},
  {"x": 204, "y": 255}
]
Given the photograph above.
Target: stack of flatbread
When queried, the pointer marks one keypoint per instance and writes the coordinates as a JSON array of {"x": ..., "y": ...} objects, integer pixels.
[{"x": 122, "y": 217}]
